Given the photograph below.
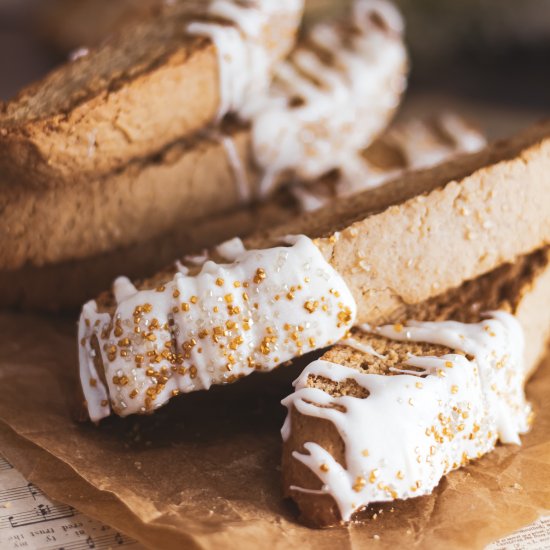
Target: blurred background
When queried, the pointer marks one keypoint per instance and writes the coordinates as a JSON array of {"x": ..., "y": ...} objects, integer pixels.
[{"x": 487, "y": 59}]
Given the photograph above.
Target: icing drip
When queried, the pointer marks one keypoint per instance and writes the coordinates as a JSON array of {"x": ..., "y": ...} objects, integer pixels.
[
  {"x": 304, "y": 112},
  {"x": 229, "y": 320},
  {"x": 412, "y": 429},
  {"x": 417, "y": 141},
  {"x": 333, "y": 96},
  {"x": 255, "y": 34}
]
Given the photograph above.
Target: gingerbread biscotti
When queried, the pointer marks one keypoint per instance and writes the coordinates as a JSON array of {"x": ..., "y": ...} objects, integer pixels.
[
  {"x": 145, "y": 87},
  {"x": 390, "y": 410},
  {"x": 443, "y": 227}
]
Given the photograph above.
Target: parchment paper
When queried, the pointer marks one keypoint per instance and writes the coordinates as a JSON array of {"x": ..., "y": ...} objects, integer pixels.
[{"x": 204, "y": 471}]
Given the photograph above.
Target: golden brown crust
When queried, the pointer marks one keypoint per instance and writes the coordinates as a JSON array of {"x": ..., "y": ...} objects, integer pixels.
[
  {"x": 513, "y": 287},
  {"x": 139, "y": 91}
]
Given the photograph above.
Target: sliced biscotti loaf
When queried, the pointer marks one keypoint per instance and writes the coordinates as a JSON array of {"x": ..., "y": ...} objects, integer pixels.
[
  {"x": 212, "y": 323},
  {"x": 406, "y": 146},
  {"x": 145, "y": 87},
  {"x": 386, "y": 413}
]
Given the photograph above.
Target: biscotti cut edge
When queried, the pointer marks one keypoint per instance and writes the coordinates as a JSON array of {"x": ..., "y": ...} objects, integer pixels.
[{"x": 514, "y": 288}]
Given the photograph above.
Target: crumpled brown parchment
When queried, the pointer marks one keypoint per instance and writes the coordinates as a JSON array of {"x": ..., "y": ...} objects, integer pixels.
[{"x": 204, "y": 471}]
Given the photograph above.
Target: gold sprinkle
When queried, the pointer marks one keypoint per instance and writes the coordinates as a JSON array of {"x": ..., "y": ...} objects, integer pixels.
[
  {"x": 324, "y": 468},
  {"x": 228, "y": 298},
  {"x": 310, "y": 306},
  {"x": 454, "y": 389},
  {"x": 400, "y": 474},
  {"x": 373, "y": 475},
  {"x": 220, "y": 281},
  {"x": 359, "y": 484},
  {"x": 193, "y": 299},
  {"x": 260, "y": 276},
  {"x": 185, "y": 306}
]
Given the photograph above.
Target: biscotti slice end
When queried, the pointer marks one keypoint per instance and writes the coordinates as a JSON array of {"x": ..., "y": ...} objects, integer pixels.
[{"x": 329, "y": 414}]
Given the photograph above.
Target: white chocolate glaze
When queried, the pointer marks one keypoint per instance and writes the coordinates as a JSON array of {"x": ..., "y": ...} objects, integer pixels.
[
  {"x": 333, "y": 96},
  {"x": 420, "y": 143},
  {"x": 317, "y": 110},
  {"x": 255, "y": 34},
  {"x": 229, "y": 320},
  {"x": 412, "y": 429}
]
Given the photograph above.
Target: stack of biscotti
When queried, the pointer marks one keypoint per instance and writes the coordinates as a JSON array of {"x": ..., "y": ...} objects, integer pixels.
[
  {"x": 454, "y": 257},
  {"x": 358, "y": 261},
  {"x": 86, "y": 151},
  {"x": 115, "y": 148},
  {"x": 410, "y": 145},
  {"x": 313, "y": 439}
]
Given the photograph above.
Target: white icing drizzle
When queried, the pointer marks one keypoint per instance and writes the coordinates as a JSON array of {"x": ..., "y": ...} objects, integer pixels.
[
  {"x": 264, "y": 308},
  {"x": 197, "y": 259},
  {"x": 231, "y": 250},
  {"x": 360, "y": 346},
  {"x": 239, "y": 171},
  {"x": 256, "y": 34},
  {"x": 183, "y": 269},
  {"x": 348, "y": 83},
  {"x": 419, "y": 144},
  {"x": 465, "y": 138},
  {"x": 409, "y": 432},
  {"x": 304, "y": 112}
]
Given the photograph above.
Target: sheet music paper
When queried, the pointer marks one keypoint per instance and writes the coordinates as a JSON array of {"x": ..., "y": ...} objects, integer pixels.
[
  {"x": 533, "y": 537},
  {"x": 30, "y": 520}
]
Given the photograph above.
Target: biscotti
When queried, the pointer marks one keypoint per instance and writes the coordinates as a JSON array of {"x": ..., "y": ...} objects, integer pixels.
[
  {"x": 439, "y": 410},
  {"x": 62, "y": 285},
  {"x": 227, "y": 318},
  {"x": 144, "y": 88},
  {"x": 284, "y": 141}
]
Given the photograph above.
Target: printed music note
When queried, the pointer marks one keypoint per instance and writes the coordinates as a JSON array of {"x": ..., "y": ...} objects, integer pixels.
[{"x": 28, "y": 519}]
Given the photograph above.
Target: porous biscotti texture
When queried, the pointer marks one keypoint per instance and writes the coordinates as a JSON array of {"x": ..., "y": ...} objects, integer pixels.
[
  {"x": 518, "y": 288},
  {"x": 429, "y": 231},
  {"x": 142, "y": 89},
  {"x": 185, "y": 182}
]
